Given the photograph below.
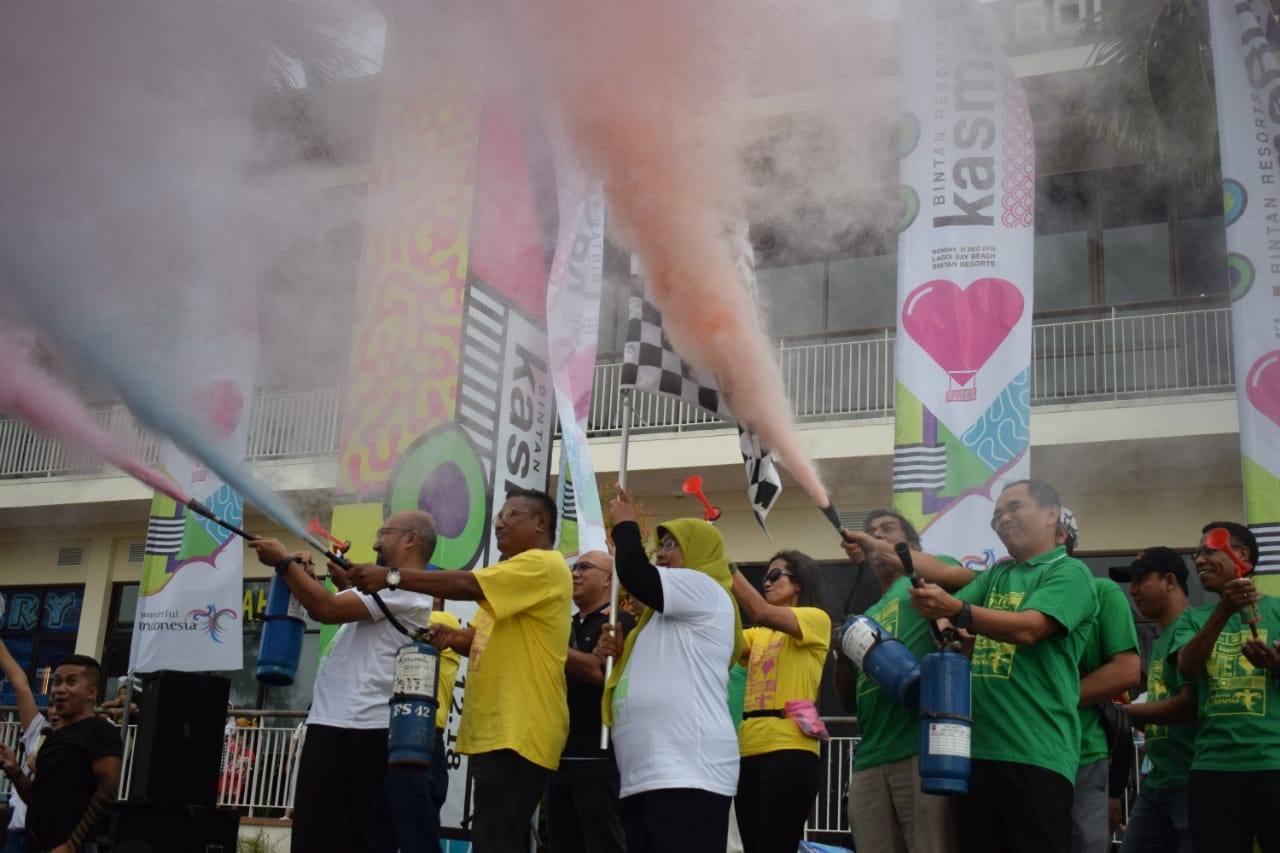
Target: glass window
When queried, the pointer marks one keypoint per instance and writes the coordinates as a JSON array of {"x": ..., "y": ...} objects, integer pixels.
[
  {"x": 1061, "y": 271},
  {"x": 1202, "y": 256},
  {"x": 1135, "y": 263},
  {"x": 39, "y": 628},
  {"x": 862, "y": 293},
  {"x": 794, "y": 299}
]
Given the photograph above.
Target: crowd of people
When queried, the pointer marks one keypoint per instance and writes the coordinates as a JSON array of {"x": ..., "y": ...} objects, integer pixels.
[{"x": 690, "y": 764}]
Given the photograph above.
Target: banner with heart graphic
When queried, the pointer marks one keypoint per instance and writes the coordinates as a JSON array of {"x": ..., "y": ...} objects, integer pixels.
[
  {"x": 962, "y": 420},
  {"x": 1247, "y": 77}
]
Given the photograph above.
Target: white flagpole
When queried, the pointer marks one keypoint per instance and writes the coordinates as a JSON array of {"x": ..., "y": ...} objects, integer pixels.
[{"x": 613, "y": 583}]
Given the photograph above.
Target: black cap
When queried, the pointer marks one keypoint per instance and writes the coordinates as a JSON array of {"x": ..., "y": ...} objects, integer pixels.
[{"x": 1157, "y": 559}]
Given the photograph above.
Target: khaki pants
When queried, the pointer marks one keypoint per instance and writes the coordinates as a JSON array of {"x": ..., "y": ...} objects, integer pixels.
[{"x": 889, "y": 814}]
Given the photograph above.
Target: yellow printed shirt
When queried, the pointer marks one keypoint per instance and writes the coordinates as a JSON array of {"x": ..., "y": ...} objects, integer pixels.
[
  {"x": 516, "y": 695},
  {"x": 1025, "y": 698},
  {"x": 781, "y": 669},
  {"x": 447, "y": 674},
  {"x": 1239, "y": 705}
]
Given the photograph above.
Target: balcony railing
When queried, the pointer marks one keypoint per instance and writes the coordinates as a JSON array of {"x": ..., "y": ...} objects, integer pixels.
[{"x": 1122, "y": 356}]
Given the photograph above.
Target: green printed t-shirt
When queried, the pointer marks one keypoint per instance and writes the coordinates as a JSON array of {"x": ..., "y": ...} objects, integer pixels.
[
  {"x": 1239, "y": 705},
  {"x": 1025, "y": 697},
  {"x": 1113, "y": 632},
  {"x": 1169, "y": 748},
  {"x": 890, "y": 732}
]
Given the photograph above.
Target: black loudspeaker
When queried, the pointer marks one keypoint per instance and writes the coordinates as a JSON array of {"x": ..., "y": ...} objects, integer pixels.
[
  {"x": 135, "y": 828},
  {"x": 178, "y": 754}
]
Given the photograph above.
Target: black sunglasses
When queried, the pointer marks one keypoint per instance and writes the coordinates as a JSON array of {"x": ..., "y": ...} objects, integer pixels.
[{"x": 772, "y": 575}]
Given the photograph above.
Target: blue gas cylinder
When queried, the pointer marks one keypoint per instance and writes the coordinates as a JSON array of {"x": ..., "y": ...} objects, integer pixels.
[
  {"x": 885, "y": 659},
  {"x": 946, "y": 717},
  {"x": 280, "y": 647},
  {"x": 412, "y": 730}
]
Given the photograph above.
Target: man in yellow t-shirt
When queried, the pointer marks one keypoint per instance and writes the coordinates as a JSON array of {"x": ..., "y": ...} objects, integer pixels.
[{"x": 515, "y": 716}]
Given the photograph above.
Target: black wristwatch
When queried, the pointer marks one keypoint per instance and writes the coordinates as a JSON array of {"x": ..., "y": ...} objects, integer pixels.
[
  {"x": 964, "y": 618},
  {"x": 283, "y": 565},
  {"x": 393, "y": 578}
]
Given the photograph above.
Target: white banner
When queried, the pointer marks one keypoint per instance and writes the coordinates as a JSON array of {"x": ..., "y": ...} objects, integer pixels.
[
  {"x": 190, "y": 599},
  {"x": 965, "y": 249},
  {"x": 1246, "y": 75},
  {"x": 573, "y": 328}
]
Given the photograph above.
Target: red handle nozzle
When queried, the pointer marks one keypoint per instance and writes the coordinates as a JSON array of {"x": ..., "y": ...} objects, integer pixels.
[
  {"x": 1219, "y": 539},
  {"x": 339, "y": 545}
]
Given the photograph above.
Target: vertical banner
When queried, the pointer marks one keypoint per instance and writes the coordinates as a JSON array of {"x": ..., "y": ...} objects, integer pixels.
[
  {"x": 962, "y": 417},
  {"x": 573, "y": 316},
  {"x": 450, "y": 400},
  {"x": 189, "y": 602},
  {"x": 1246, "y": 74}
]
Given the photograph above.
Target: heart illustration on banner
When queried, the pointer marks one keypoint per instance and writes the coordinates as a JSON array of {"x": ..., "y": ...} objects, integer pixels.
[
  {"x": 961, "y": 328},
  {"x": 1263, "y": 385}
]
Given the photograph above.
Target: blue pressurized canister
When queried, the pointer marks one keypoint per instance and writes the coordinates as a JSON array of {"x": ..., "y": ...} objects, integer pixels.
[{"x": 281, "y": 645}]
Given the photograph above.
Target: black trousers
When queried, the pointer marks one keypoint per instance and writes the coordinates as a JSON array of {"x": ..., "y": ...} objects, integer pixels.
[
  {"x": 1226, "y": 810},
  {"x": 776, "y": 791},
  {"x": 676, "y": 820},
  {"x": 583, "y": 812},
  {"x": 339, "y": 772},
  {"x": 507, "y": 790},
  {"x": 1014, "y": 808}
]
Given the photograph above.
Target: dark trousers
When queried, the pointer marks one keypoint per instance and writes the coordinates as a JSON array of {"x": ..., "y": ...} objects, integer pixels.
[
  {"x": 583, "y": 814},
  {"x": 507, "y": 790},
  {"x": 406, "y": 811},
  {"x": 1226, "y": 810},
  {"x": 1014, "y": 808},
  {"x": 676, "y": 820},
  {"x": 776, "y": 791},
  {"x": 339, "y": 773}
]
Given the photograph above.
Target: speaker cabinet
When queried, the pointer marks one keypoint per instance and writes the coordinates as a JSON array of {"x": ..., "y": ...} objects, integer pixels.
[
  {"x": 178, "y": 754},
  {"x": 135, "y": 828}
]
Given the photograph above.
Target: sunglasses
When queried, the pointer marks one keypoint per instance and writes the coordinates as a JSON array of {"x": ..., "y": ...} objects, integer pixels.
[
  {"x": 583, "y": 565},
  {"x": 772, "y": 575}
]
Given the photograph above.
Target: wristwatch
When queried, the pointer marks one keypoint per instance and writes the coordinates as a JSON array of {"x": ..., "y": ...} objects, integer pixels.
[
  {"x": 964, "y": 618},
  {"x": 393, "y": 578},
  {"x": 283, "y": 565}
]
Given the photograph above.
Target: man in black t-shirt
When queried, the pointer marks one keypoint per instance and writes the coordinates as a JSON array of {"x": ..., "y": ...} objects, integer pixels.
[
  {"x": 582, "y": 797},
  {"x": 77, "y": 769}
]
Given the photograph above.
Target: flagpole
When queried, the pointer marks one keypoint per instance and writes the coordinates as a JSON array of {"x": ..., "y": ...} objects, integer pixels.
[{"x": 625, "y": 394}]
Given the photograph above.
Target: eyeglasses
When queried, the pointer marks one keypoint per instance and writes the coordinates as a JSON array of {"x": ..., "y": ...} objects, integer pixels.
[
  {"x": 505, "y": 515},
  {"x": 383, "y": 531},
  {"x": 773, "y": 574},
  {"x": 668, "y": 543},
  {"x": 583, "y": 565}
]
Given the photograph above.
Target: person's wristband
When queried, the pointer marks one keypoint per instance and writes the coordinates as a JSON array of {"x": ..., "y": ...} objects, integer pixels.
[{"x": 283, "y": 565}]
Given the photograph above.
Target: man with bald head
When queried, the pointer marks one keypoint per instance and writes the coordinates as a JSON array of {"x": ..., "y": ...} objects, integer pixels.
[
  {"x": 582, "y": 798},
  {"x": 347, "y": 798}
]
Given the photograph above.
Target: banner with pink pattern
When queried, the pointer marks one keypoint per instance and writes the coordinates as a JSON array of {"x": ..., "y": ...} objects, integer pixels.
[
  {"x": 1246, "y": 73},
  {"x": 966, "y": 232}
]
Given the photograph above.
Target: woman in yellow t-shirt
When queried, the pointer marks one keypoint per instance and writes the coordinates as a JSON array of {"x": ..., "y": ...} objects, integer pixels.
[{"x": 780, "y": 769}]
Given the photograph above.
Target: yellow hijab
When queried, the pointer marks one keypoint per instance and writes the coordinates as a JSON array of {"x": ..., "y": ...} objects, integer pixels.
[{"x": 703, "y": 549}]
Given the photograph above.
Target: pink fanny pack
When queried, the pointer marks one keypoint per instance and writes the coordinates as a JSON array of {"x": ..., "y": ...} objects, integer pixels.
[{"x": 804, "y": 714}]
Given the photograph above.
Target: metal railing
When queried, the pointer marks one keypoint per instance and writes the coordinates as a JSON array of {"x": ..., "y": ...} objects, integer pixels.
[{"x": 1121, "y": 356}]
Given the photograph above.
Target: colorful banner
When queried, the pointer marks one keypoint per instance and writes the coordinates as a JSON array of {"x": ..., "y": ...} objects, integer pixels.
[
  {"x": 1246, "y": 74},
  {"x": 573, "y": 316},
  {"x": 962, "y": 418},
  {"x": 450, "y": 401},
  {"x": 188, "y": 616}
]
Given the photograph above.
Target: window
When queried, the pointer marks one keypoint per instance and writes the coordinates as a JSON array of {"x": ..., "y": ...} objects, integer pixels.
[{"x": 39, "y": 628}]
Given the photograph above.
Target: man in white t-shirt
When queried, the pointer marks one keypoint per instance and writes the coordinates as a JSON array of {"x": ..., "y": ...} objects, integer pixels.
[{"x": 343, "y": 777}]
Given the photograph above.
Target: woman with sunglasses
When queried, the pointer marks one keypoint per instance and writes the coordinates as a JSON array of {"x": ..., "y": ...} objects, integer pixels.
[
  {"x": 667, "y": 698},
  {"x": 781, "y": 765}
]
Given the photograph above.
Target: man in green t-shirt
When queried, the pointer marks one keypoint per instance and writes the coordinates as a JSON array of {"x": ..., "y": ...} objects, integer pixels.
[
  {"x": 1157, "y": 581},
  {"x": 887, "y": 810},
  {"x": 1234, "y": 782},
  {"x": 1031, "y": 616}
]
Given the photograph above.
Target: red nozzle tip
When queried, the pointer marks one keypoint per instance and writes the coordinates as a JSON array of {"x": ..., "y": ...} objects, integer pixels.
[
  {"x": 1217, "y": 538},
  {"x": 692, "y": 485}
]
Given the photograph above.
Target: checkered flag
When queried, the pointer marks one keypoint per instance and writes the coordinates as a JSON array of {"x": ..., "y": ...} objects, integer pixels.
[{"x": 650, "y": 364}]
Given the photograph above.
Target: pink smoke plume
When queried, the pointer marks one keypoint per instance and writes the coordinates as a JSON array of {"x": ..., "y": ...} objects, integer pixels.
[
  {"x": 32, "y": 396},
  {"x": 647, "y": 92}
]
